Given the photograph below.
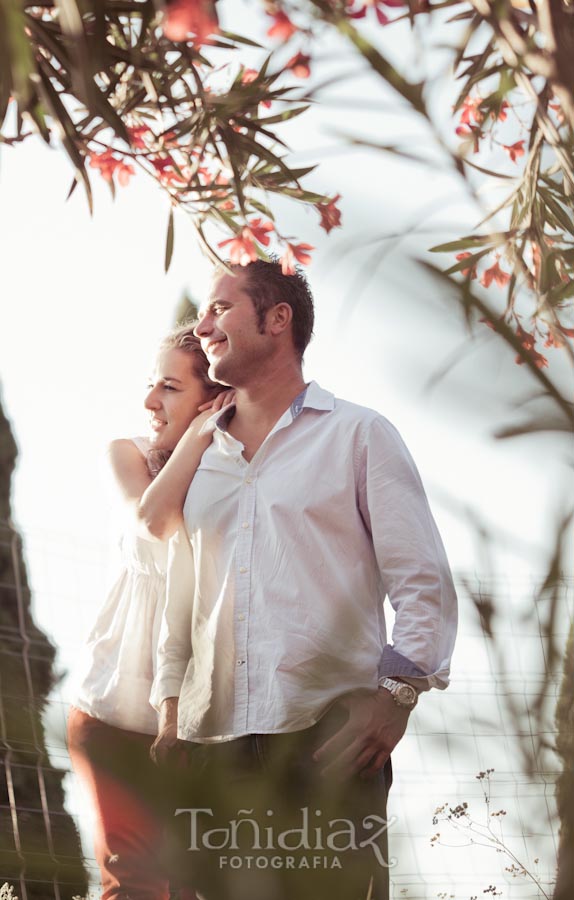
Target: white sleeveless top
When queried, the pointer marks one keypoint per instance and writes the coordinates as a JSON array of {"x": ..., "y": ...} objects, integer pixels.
[{"x": 119, "y": 662}]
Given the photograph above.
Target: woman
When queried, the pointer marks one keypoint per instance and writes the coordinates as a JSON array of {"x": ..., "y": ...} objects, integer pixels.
[{"x": 112, "y": 725}]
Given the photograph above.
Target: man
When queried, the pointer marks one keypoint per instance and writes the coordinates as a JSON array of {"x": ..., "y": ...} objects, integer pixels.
[{"x": 304, "y": 513}]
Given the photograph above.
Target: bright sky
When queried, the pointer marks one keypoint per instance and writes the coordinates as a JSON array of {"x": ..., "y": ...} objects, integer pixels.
[{"x": 85, "y": 300}]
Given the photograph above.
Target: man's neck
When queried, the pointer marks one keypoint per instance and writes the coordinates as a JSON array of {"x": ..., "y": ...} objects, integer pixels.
[
  {"x": 267, "y": 399},
  {"x": 259, "y": 406}
]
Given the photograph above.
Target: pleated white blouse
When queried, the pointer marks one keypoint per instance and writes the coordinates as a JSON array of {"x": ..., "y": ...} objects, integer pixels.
[{"x": 115, "y": 675}]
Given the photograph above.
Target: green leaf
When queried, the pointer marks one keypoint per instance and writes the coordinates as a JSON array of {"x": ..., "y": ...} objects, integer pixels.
[
  {"x": 479, "y": 76},
  {"x": 260, "y": 207},
  {"x": 282, "y": 117},
  {"x": 412, "y": 93},
  {"x": 467, "y": 262},
  {"x": 484, "y": 171},
  {"x": 73, "y": 187},
  {"x": 5, "y": 73},
  {"x": 18, "y": 50},
  {"x": 169, "y": 241},
  {"x": 285, "y": 175},
  {"x": 299, "y": 194},
  {"x": 38, "y": 117},
  {"x": 69, "y": 134},
  {"x": 559, "y": 213},
  {"x": 564, "y": 292},
  {"x": 239, "y": 39},
  {"x": 473, "y": 240}
]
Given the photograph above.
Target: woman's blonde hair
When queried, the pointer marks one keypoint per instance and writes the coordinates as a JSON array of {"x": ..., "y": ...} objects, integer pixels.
[{"x": 182, "y": 338}]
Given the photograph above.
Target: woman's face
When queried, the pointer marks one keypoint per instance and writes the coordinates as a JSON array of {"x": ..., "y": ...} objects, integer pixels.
[{"x": 175, "y": 392}]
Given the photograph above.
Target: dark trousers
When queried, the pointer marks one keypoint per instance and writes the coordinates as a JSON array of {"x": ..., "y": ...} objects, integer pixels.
[{"x": 255, "y": 820}]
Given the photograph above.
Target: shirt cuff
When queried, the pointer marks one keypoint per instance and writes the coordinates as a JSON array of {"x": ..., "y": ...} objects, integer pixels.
[
  {"x": 164, "y": 686},
  {"x": 394, "y": 665}
]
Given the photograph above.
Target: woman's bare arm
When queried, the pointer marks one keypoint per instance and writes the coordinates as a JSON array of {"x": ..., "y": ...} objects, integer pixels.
[{"x": 158, "y": 502}]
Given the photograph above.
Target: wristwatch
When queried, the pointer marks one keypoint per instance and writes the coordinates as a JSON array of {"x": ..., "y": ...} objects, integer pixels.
[{"x": 404, "y": 694}]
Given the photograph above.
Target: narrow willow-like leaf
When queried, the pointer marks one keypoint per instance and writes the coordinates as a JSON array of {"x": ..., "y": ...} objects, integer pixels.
[
  {"x": 5, "y": 72},
  {"x": 262, "y": 208},
  {"x": 239, "y": 39},
  {"x": 69, "y": 136},
  {"x": 169, "y": 239},
  {"x": 489, "y": 172},
  {"x": 282, "y": 117},
  {"x": 471, "y": 302},
  {"x": 473, "y": 240},
  {"x": 468, "y": 262},
  {"x": 412, "y": 93},
  {"x": 559, "y": 213},
  {"x": 38, "y": 117},
  {"x": 19, "y": 51}
]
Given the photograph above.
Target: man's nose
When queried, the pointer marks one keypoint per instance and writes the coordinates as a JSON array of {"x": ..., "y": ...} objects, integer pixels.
[{"x": 204, "y": 326}]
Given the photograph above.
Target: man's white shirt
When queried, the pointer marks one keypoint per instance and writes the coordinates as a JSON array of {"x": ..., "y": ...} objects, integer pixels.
[{"x": 274, "y": 606}]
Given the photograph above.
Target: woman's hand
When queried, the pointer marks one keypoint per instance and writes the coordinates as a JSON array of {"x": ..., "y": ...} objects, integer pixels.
[
  {"x": 160, "y": 507},
  {"x": 225, "y": 398}
]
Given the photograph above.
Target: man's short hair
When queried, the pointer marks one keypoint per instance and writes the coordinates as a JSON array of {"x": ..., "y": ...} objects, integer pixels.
[{"x": 267, "y": 285}]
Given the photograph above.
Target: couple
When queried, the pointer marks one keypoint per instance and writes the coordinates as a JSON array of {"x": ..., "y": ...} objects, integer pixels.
[{"x": 292, "y": 515}]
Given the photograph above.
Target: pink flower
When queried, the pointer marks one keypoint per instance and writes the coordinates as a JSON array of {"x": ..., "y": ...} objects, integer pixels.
[
  {"x": 471, "y": 110},
  {"x": 109, "y": 165},
  {"x": 330, "y": 215},
  {"x": 167, "y": 173},
  {"x": 527, "y": 341},
  {"x": 185, "y": 17},
  {"x": 471, "y": 270},
  {"x": 553, "y": 340},
  {"x": 299, "y": 65},
  {"x": 295, "y": 252},
  {"x": 248, "y": 76},
  {"x": 242, "y": 250},
  {"x": 496, "y": 274},
  {"x": 282, "y": 28},
  {"x": 137, "y": 134},
  {"x": 558, "y": 110},
  {"x": 471, "y": 131},
  {"x": 514, "y": 150},
  {"x": 259, "y": 231},
  {"x": 377, "y": 5}
]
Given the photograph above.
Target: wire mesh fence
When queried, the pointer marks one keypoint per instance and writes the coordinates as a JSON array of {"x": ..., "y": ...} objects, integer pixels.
[{"x": 498, "y": 714}]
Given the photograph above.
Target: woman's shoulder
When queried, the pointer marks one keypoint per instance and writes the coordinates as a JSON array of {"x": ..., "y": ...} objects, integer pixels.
[{"x": 126, "y": 447}]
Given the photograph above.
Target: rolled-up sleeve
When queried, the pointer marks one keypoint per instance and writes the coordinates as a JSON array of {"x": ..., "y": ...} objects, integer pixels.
[
  {"x": 174, "y": 647},
  {"x": 411, "y": 559}
]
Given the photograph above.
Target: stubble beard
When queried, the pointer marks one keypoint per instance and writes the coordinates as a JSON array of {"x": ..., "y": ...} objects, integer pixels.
[{"x": 217, "y": 372}]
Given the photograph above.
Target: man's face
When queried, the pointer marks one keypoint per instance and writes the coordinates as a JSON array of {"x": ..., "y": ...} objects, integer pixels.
[{"x": 229, "y": 333}]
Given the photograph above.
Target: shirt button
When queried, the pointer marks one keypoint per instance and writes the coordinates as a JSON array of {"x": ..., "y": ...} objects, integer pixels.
[
  {"x": 249, "y": 481},
  {"x": 241, "y": 617},
  {"x": 240, "y": 662},
  {"x": 245, "y": 525},
  {"x": 242, "y": 569}
]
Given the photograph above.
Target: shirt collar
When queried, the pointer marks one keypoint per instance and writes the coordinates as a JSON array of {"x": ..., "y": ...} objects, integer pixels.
[
  {"x": 315, "y": 397},
  {"x": 311, "y": 397}
]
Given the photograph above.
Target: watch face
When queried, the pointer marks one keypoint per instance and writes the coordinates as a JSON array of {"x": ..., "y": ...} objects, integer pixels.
[{"x": 406, "y": 694}]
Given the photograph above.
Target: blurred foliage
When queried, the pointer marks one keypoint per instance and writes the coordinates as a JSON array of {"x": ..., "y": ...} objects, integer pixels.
[
  {"x": 102, "y": 78},
  {"x": 39, "y": 844},
  {"x": 105, "y": 80}
]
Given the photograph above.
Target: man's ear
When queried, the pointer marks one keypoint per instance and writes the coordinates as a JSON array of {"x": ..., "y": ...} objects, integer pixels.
[{"x": 279, "y": 318}]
